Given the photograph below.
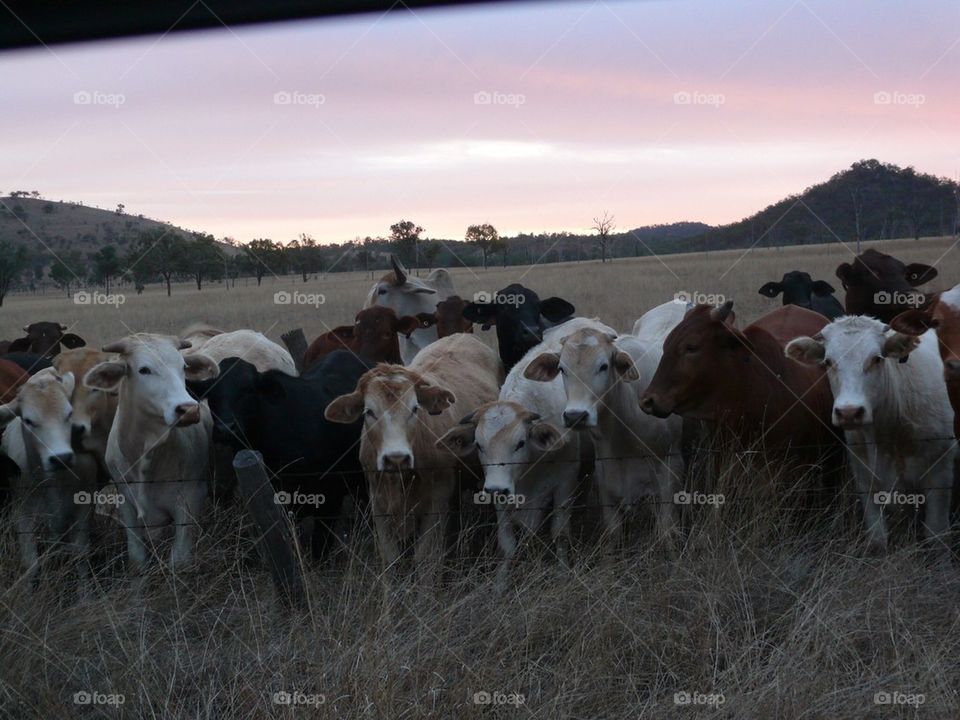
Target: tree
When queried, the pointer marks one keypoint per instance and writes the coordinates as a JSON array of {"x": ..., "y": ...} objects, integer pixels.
[
  {"x": 120, "y": 208},
  {"x": 203, "y": 258},
  {"x": 431, "y": 251},
  {"x": 405, "y": 236},
  {"x": 67, "y": 269},
  {"x": 13, "y": 260},
  {"x": 486, "y": 238},
  {"x": 302, "y": 255},
  {"x": 106, "y": 265},
  {"x": 162, "y": 252},
  {"x": 262, "y": 256},
  {"x": 604, "y": 226}
]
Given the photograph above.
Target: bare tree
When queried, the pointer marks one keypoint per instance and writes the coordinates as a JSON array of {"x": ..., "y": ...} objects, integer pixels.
[{"x": 604, "y": 226}]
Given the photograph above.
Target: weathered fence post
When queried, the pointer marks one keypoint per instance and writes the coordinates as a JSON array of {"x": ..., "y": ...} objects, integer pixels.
[
  {"x": 271, "y": 522},
  {"x": 296, "y": 343}
]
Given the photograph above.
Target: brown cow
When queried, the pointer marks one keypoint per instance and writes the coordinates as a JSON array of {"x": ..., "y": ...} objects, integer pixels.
[
  {"x": 881, "y": 286},
  {"x": 944, "y": 316},
  {"x": 406, "y": 411},
  {"x": 45, "y": 339},
  {"x": 93, "y": 409},
  {"x": 741, "y": 381},
  {"x": 448, "y": 317},
  {"x": 12, "y": 376},
  {"x": 372, "y": 338}
]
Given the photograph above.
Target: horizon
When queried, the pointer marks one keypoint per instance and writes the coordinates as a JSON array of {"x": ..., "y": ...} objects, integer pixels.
[{"x": 532, "y": 117}]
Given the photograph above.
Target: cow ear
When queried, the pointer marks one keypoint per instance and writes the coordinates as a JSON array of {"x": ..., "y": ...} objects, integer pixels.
[
  {"x": 434, "y": 399},
  {"x": 19, "y": 345},
  {"x": 481, "y": 313},
  {"x": 105, "y": 376},
  {"x": 844, "y": 270},
  {"x": 898, "y": 345},
  {"x": 822, "y": 288},
  {"x": 918, "y": 273},
  {"x": 556, "y": 309},
  {"x": 200, "y": 367},
  {"x": 460, "y": 440},
  {"x": 345, "y": 409},
  {"x": 545, "y": 437},
  {"x": 8, "y": 412},
  {"x": 68, "y": 381},
  {"x": 407, "y": 324},
  {"x": 805, "y": 350},
  {"x": 625, "y": 367},
  {"x": 543, "y": 368},
  {"x": 71, "y": 341},
  {"x": 771, "y": 289},
  {"x": 343, "y": 332},
  {"x": 914, "y": 322},
  {"x": 426, "y": 319}
]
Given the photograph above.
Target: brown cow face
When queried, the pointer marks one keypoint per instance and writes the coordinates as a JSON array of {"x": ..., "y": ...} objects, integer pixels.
[
  {"x": 46, "y": 339},
  {"x": 377, "y": 327},
  {"x": 448, "y": 317},
  {"x": 699, "y": 356},
  {"x": 881, "y": 286},
  {"x": 944, "y": 317}
]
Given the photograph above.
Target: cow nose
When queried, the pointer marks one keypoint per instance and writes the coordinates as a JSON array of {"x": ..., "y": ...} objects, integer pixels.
[
  {"x": 188, "y": 414},
  {"x": 77, "y": 432},
  {"x": 647, "y": 404},
  {"x": 61, "y": 460},
  {"x": 575, "y": 418},
  {"x": 951, "y": 370},
  {"x": 850, "y": 414},
  {"x": 395, "y": 462}
]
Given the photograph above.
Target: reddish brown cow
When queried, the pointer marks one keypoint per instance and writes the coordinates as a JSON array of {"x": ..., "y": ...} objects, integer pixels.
[
  {"x": 448, "y": 317},
  {"x": 12, "y": 376},
  {"x": 944, "y": 316},
  {"x": 881, "y": 286},
  {"x": 372, "y": 338},
  {"x": 740, "y": 381}
]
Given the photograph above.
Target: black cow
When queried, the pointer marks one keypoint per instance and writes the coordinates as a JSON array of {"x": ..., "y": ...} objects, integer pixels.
[
  {"x": 31, "y": 362},
  {"x": 881, "y": 286},
  {"x": 799, "y": 288},
  {"x": 282, "y": 417},
  {"x": 520, "y": 316},
  {"x": 46, "y": 339}
]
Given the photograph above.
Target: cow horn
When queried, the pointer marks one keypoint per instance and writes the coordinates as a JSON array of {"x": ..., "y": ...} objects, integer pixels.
[
  {"x": 722, "y": 312},
  {"x": 531, "y": 417},
  {"x": 468, "y": 419},
  {"x": 398, "y": 270},
  {"x": 119, "y": 347},
  {"x": 183, "y": 344}
]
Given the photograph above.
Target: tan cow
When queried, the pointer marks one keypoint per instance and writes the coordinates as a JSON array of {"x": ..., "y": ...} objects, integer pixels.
[
  {"x": 254, "y": 347},
  {"x": 93, "y": 409},
  {"x": 405, "y": 412}
]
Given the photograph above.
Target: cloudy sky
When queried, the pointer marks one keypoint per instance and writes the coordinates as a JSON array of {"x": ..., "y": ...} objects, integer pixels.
[{"x": 531, "y": 116}]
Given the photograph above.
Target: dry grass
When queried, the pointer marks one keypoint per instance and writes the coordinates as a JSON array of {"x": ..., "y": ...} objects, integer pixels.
[{"x": 778, "y": 611}]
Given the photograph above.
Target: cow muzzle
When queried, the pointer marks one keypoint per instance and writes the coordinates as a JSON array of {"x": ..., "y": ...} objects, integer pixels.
[
  {"x": 848, "y": 416},
  {"x": 187, "y": 414},
  {"x": 652, "y": 405},
  {"x": 396, "y": 463},
  {"x": 578, "y": 419}
]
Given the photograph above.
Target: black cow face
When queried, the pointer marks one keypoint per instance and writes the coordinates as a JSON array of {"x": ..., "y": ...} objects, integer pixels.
[
  {"x": 798, "y": 288},
  {"x": 520, "y": 316},
  {"x": 233, "y": 400},
  {"x": 45, "y": 339}
]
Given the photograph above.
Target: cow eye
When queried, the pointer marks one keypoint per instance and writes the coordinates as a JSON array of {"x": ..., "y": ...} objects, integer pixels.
[
  {"x": 145, "y": 371},
  {"x": 369, "y": 413},
  {"x": 382, "y": 291},
  {"x": 603, "y": 368},
  {"x": 690, "y": 349},
  {"x": 521, "y": 444},
  {"x": 29, "y": 423},
  {"x": 876, "y": 361},
  {"x": 413, "y": 410},
  {"x": 479, "y": 449},
  {"x": 826, "y": 363}
]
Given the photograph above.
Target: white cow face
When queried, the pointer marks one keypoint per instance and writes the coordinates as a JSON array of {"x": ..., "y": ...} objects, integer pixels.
[
  {"x": 591, "y": 364},
  {"x": 43, "y": 406},
  {"x": 506, "y": 438},
  {"x": 856, "y": 352},
  {"x": 391, "y": 400},
  {"x": 151, "y": 373}
]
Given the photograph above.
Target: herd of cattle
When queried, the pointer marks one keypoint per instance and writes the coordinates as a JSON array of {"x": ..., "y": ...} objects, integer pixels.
[{"x": 406, "y": 408}]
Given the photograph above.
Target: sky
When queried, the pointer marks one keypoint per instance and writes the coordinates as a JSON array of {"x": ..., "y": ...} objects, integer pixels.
[{"x": 530, "y": 116}]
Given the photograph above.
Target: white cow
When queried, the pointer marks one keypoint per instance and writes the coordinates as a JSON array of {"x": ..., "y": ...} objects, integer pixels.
[
  {"x": 529, "y": 465},
  {"x": 411, "y": 296},
  {"x": 54, "y": 487},
  {"x": 256, "y": 348},
  {"x": 157, "y": 452},
  {"x": 604, "y": 376},
  {"x": 896, "y": 417}
]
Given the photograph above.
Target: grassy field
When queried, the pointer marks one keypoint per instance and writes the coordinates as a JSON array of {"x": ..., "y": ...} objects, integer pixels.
[{"x": 761, "y": 612}]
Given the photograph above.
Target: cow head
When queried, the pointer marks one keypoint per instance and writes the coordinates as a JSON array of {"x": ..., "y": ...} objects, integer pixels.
[
  {"x": 797, "y": 288},
  {"x": 93, "y": 409},
  {"x": 45, "y": 339},
  {"x": 855, "y": 352},
  {"x": 881, "y": 286},
  {"x": 697, "y": 355},
  {"x": 507, "y": 438},
  {"x": 943, "y": 318},
  {"x": 391, "y": 399},
  {"x": 448, "y": 317},
  {"x": 376, "y": 329},
  {"x": 46, "y": 416},
  {"x": 520, "y": 316},
  {"x": 151, "y": 377},
  {"x": 591, "y": 364},
  {"x": 233, "y": 398}
]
